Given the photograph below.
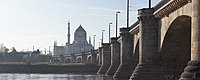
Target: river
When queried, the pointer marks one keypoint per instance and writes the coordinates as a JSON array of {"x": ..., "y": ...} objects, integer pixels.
[{"x": 15, "y": 76}]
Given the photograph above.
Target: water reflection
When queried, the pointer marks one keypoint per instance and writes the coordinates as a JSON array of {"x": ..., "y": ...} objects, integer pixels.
[{"x": 52, "y": 77}]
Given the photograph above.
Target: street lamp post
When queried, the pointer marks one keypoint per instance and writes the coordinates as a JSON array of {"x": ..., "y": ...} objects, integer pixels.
[
  {"x": 109, "y": 31},
  {"x": 102, "y": 37},
  {"x": 94, "y": 41},
  {"x": 149, "y": 3},
  {"x": 128, "y": 13},
  {"x": 117, "y": 21}
]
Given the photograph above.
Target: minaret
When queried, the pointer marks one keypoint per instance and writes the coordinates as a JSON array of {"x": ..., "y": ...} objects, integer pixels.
[{"x": 68, "y": 35}]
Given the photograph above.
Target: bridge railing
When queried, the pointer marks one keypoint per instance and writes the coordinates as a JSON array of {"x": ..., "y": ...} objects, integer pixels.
[
  {"x": 160, "y": 4},
  {"x": 156, "y": 7},
  {"x": 134, "y": 24}
]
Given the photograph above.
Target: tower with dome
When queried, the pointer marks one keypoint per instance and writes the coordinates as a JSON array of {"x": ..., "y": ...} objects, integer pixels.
[{"x": 79, "y": 45}]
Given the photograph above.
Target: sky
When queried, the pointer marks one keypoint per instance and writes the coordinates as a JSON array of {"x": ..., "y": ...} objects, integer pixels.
[{"x": 38, "y": 23}]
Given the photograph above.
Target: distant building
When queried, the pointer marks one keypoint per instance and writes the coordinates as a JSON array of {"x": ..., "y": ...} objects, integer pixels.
[{"x": 80, "y": 44}]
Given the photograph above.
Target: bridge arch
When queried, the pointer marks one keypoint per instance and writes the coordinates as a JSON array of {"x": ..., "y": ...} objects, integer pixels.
[
  {"x": 176, "y": 47},
  {"x": 89, "y": 58},
  {"x": 56, "y": 60},
  {"x": 166, "y": 21},
  {"x": 79, "y": 60},
  {"x": 68, "y": 60}
]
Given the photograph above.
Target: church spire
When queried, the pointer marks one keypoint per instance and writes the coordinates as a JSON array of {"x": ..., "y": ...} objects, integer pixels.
[{"x": 68, "y": 35}]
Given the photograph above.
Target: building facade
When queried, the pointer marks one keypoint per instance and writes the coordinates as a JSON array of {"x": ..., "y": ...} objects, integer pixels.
[{"x": 79, "y": 45}]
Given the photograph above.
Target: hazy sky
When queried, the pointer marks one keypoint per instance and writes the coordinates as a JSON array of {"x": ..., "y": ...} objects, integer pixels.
[{"x": 27, "y": 23}]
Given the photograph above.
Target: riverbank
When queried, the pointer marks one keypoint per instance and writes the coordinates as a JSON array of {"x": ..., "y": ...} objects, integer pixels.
[{"x": 49, "y": 68}]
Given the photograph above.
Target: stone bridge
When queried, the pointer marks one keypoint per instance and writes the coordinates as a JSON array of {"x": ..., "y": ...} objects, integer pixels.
[
  {"x": 92, "y": 56},
  {"x": 164, "y": 44}
]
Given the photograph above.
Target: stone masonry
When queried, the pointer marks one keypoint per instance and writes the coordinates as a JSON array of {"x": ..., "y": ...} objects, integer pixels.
[
  {"x": 125, "y": 69},
  {"x": 106, "y": 58}
]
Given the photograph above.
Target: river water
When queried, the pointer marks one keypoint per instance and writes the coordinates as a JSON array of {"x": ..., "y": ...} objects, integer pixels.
[{"x": 8, "y": 76}]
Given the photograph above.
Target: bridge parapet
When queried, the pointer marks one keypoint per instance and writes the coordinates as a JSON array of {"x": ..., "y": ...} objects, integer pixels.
[
  {"x": 134, "y": 29},
  {"x": 165, "y": 7},
  {"x": 160, "y": 4}
]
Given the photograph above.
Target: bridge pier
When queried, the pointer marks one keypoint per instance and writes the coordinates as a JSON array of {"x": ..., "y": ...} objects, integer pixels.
[
  {"x": 192, "y": 71},
  {"x": 106, "y": 57},
  {"x": 73, "y": 58},
  {"x": 94, "y": 57},
  {"x": 115, "y": 57},
  {"x": 84, "y": 58},
  {"x": 148, "y": 67},
  {"x": 100, "y": 56},
  {"x": 125, "y": 69}
]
